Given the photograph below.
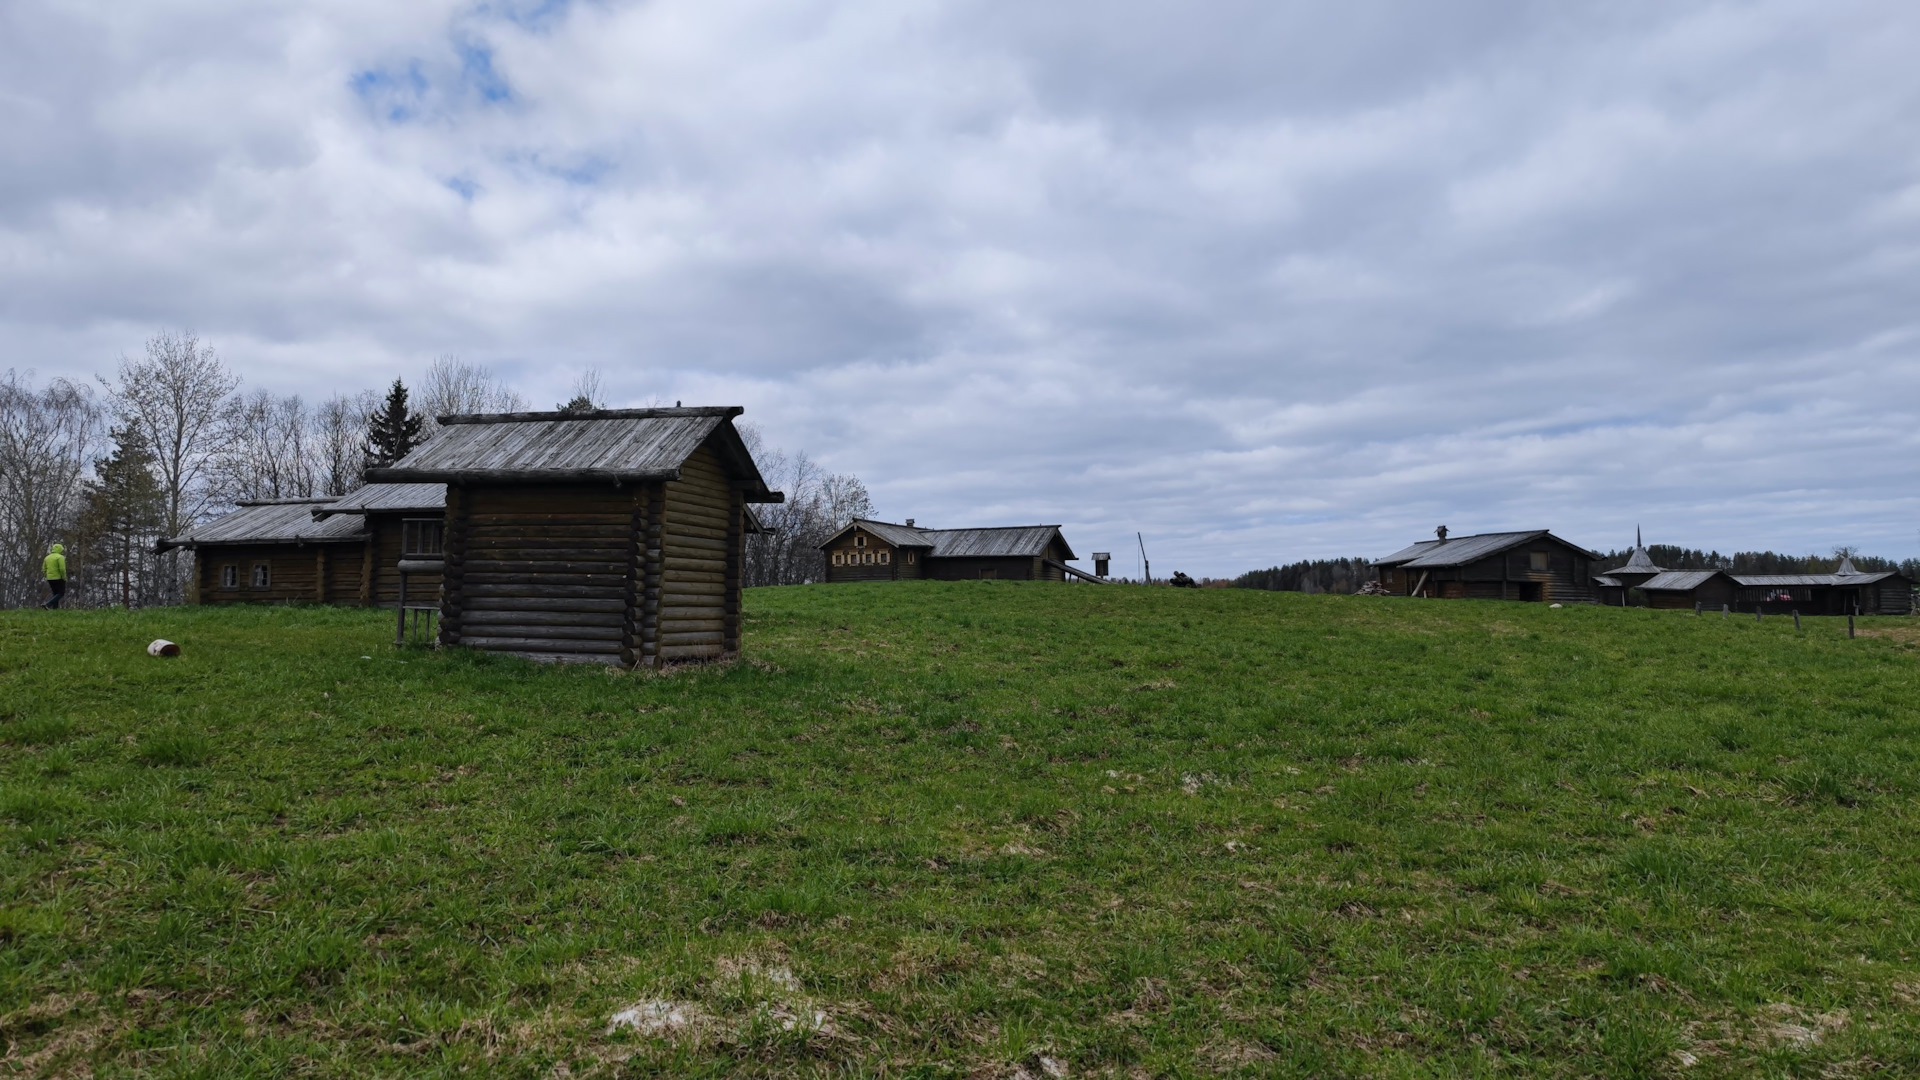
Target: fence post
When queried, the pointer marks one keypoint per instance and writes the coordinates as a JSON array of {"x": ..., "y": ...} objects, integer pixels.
[
  {"x": 1724, "y": 608},
  {"x": 1756, "y": 614},
  {"x": 1796, "y": 620},
  {"x": 1849, "y": 626},
  {"x": 1697, "y": 604}
]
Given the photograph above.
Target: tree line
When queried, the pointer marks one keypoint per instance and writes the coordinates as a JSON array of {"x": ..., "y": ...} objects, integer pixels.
[
  {"x": 108, "y": 469},
  {"x": 1672, "y": 557}
]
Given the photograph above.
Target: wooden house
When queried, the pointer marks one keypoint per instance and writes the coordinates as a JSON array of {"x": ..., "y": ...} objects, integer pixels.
[
  {"x": 401, "y": 522},
  {"x": 274, "y": 551},
  {"x": 868, "y": 550},
  {"x": 1688, "y": 589},
  {"x": 1534, "y": 565},
  {"x": 613, "y": 536},
  {"x": 1846, "y": 591}
]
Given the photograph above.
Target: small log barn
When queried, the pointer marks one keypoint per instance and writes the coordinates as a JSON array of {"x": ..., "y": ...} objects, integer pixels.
[
  {"x": 1534, "y": 565},
  {"x": 867, "y": 550},
  {"x": 613, "y": 535},
  {"x": 1846, "y": 591},
  {"x": 274, "y": 552},
  {"x": 1674, "y": 589},
  {"x": 401, "y": 521}
]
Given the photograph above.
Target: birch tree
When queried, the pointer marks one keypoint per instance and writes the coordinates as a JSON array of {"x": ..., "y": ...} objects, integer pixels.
[
  {"x": 178, "y": 398},
  {"x": 46, "y": 438}
]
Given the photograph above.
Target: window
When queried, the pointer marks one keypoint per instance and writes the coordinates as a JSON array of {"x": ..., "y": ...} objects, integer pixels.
[
  {"x": 910, "y": 558},
  {"x": 867, "y": 558},
  {"x": 262, "y": 575},
  {"x": 230, "y": 576},
  {"x": 839, "y": 558},
  {"x": 859, "y": 541},
  {"x": 1387, "y": 577},
  {"x": 1537, "y": 561},
  {"x": 883, "y": 558},
  {"x": 420, "y": 536}
]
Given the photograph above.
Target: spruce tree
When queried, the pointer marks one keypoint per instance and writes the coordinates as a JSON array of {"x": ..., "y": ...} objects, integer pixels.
[
  {"x": 393, "y": 431},
  {"x": 122, "y": 510}
]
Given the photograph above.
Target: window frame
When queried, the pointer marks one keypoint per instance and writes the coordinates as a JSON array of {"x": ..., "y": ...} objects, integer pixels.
[
  {"x": 229, "y": 576},
  {"x": 262, "y": 577},
  {"x": 413, "y": 532},
  {"x": 1538, "y": 562}
]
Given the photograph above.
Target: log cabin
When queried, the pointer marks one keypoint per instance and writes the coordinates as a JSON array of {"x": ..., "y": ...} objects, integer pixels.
[
  {"x": 274, "y": 552},
  {"x": 612, "y": 536},
  {"x": 1535, "y": 565},
  {"x": 401, "y": 521},
  {"x": 867, "y": 550},
  {"x": 1846, "y": 591}
]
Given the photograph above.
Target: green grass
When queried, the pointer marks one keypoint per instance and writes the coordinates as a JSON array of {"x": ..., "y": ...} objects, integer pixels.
[{"x": 968, "y": 829}]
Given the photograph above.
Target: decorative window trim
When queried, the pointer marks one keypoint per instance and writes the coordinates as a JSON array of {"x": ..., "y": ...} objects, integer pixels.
[
  {"x": 883, "y": 558},
  {"x": 839, "y": 558},
  {"x": 859, "y": 541}
]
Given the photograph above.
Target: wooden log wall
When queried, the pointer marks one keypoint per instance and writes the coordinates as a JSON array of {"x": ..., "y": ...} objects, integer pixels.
[
  {"x": 313, "y": 573},
  {"x": 387, "y": 531},
  {"x": 540, "y": 570},
  {"x": 699, "y": 587}
]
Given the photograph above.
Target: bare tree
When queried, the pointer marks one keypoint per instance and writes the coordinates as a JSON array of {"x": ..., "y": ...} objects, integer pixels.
[
  {"x": 818, "y": 504},
  {"x": 269, "y": 451},
  {"x": 587, "y": 393},
  {"x": 454, "y": 386},
  {"x": 339, "y": 441},
  {"x": 177, "y": 397},
  {"x": 46, "y": 439}
]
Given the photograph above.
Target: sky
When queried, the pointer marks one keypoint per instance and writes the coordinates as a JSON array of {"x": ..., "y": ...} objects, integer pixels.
[{"x": 1262, "y": 281}]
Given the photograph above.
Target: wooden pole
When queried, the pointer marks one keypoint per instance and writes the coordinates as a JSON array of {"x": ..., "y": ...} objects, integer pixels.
[
  {"x": 1796, "y": 620},
  {"x": 400, "y": 632},
  {"x": 1697, "y": 605},
  {"x": 1849, "y": 627},
  {"x": 1724, "y": 608}
]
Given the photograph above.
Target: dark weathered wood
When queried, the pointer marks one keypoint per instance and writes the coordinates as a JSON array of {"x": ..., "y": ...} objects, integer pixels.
[
  {"x": 702, "y": 637},
  {"x": 583, "y": 604},
  {"x": 611, "y": 594},
  {"x": 540, "y": 644},
  {"x": 543, "y": 566},
  {"x": 546, "y": 630},
  {"x": 612, "y": 579},
  {"x": 536, "y": 617},
  {"x": 453, "y": 579}
]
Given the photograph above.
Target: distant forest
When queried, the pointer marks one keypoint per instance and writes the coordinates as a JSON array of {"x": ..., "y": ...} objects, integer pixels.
[
  {"x": 1312, "y": 576},
  {"x": 1348, "y": 575}
]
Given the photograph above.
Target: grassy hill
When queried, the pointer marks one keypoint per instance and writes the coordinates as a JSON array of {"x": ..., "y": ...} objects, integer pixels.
[{"x": 968, "y": 829}]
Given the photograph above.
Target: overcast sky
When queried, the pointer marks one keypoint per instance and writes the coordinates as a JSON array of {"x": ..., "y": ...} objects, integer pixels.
[{"x": 1263, "y": 280}]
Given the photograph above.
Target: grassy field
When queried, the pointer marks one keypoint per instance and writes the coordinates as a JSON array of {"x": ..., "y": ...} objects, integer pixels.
[{"x": 969, "y": 829}]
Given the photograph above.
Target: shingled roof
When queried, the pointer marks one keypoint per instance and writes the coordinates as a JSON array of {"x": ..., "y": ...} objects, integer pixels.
[
  {"x": 604, "y": 445},
  {"x": 270, "y": 521},
  {"x": 1011, "y": 541},
  {"x": 387, "y": 498},
  {"x": 1677, "y": 580},
  {"x": 1458, "y": 551}
]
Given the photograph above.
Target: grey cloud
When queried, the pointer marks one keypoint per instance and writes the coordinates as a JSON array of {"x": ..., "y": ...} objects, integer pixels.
[{"x": 1263, "y": 280}]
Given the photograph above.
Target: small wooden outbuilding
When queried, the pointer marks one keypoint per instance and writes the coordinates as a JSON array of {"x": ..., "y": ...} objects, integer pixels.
[
  {"x": 1675, "y": 589},
  {"x": 867, "y": 550},
  {"x": 401, "y": 521},
  {"x": 614, "y": 536},
  {"x": 1535, "y": 565},
  {"x": 274, "y": 552}
]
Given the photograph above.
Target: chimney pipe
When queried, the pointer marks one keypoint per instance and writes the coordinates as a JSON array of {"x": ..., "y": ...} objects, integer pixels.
[{"x": 1441, "y": 532}]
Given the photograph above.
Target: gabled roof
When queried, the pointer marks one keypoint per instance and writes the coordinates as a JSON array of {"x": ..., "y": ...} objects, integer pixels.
[
  {"x": 605, "y": 445},
  {"x": 1012, "y": 541},
  {"x": 1026, "y": 541},
  {"x": 276, "y": 521},
  {"x": 1460, "y": 550},
  {"x": 387, "y": 498},
  {"x": 898, "y": 535},
  {"x": 1680, "y": 580}
]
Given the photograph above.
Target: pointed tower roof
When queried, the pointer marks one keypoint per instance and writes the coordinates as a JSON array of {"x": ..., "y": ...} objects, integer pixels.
[
  {"x": 1846, "y": 568},
  {"x": 1640, "y": 563}
]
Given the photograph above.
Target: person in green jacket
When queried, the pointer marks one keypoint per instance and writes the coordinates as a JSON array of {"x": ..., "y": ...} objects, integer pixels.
[{"x": 56, "y": 568}]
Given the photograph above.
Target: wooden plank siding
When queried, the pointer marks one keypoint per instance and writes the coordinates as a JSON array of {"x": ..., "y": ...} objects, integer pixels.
[{"x": 700, "y": 548}]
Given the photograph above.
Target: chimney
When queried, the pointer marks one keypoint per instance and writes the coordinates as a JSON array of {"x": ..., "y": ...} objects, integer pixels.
[
  {"x": 1441, "y": 532},
  {"x": 909, "y": 523}
]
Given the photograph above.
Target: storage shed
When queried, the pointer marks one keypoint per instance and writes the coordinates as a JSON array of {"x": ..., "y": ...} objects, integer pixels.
[
  {"x": 612, "y": 535},
  {"x": 1534, "y": 565},
  {"x": 1847, "y": 591},
  {"x": 274, "y": 551},
  {"x": 1711, "y": 589},
  {"x": 867, "y": 550}
]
